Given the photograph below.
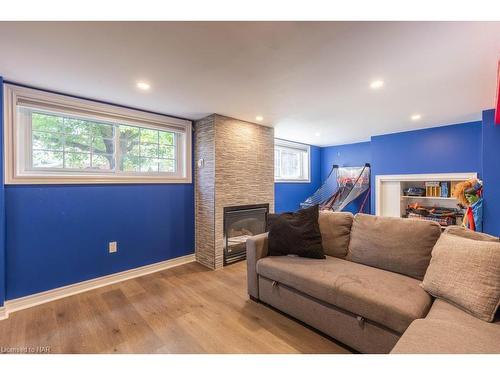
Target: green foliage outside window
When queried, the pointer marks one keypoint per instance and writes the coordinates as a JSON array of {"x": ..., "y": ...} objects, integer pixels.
[{"x": 70, "y": 143}]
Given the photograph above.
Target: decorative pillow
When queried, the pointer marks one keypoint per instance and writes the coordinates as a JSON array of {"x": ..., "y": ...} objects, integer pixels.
[
  {"x": 466, "y": 273},
  {"x": 296, "y": 233}
]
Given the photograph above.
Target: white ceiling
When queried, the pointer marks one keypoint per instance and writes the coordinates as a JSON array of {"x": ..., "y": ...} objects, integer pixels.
[{"x": 302, "y": 77}]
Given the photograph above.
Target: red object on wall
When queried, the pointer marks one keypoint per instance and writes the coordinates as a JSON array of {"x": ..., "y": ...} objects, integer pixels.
[{"x": 497, "y": 111}]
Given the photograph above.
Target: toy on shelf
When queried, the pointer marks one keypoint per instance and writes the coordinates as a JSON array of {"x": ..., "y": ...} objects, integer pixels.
[
  {"x": 445, "y": 189},
  {"x": 470, "y": 195},
  {"x": 432, "y": 189},
  {"x": 414, "y": 191},
  {"x": 441, "y": 215}
]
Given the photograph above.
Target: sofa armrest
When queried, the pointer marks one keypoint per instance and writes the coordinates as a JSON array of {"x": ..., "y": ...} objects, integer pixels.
[{"x": 256, "y": 249}]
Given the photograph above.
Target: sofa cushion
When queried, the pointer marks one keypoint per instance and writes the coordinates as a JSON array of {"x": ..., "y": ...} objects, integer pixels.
[
  {"x": 460, "y": 231},
  {"x": 449, "y": 330},
  {"x": 387, "y": 298},
  {"x": 393, "y": 244},
  {"x": 335, "y": 230},
  {"x": 466, "y": 273}
]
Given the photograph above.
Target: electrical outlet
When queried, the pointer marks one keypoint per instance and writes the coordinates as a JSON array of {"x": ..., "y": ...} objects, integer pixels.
[{"x": 113, "y": 247}]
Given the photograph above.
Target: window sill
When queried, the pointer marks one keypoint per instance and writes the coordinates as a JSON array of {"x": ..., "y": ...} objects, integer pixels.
[
  {"x": 94, "y": 180},
  {"x": 292, "y": 181}
]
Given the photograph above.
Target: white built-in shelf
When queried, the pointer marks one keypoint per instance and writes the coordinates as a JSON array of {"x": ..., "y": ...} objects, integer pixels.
[
  {"x": 389, "y": 191},
  {"x": 440, "y": 198}
]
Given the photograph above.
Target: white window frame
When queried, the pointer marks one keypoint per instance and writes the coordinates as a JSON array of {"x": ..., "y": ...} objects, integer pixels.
[
  {"x": 17, "y": 145},
  {"x": 296, "y": 146}
]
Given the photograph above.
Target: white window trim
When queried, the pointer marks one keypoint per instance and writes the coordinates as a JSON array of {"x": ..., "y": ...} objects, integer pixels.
[
  {"x": 17, "y": 94},
  {"x": 299, "y": 146}
]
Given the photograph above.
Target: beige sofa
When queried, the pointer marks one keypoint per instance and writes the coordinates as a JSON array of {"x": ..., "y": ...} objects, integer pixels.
[{"x": 366, "y": 293}]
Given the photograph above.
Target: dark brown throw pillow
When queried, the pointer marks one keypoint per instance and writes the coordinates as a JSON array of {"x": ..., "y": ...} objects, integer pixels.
[{"x": 296, "y": 233}]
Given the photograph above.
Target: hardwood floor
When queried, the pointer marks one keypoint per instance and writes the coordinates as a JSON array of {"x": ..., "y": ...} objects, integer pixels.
[{"x": 186, "y": 309}]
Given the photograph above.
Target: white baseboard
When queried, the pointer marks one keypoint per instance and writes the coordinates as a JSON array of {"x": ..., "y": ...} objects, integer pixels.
[
  {"x": 17, "y": 304},
  {"x": 3, "y": 313}
]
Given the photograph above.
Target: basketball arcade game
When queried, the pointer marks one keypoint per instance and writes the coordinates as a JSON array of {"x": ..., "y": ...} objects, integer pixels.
[{"x": 342, "y": 186}]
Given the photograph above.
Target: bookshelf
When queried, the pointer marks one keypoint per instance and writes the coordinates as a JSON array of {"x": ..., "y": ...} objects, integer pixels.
[{"x": 390, "y": 199}]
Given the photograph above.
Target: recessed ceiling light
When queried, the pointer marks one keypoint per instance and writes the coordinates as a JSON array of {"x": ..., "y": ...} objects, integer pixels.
[
  {"x": 259, "y": 118},
  {"x": 143, "y": 85},
  {"x": 416, "y": 117},
  {"x": 317, "y": 134},
  {"x": 377, "y": 84}
]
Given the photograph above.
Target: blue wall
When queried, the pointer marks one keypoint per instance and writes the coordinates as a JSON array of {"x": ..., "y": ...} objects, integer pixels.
[
  {"x": 58, "y": 235},
  {"x": 350, "y": 155},
  {"x": 288, "y": 196},
  {"x": 452, "y": 148},
  {"x": 491, "y": 173},
  {"x": 445, "y": 149}
]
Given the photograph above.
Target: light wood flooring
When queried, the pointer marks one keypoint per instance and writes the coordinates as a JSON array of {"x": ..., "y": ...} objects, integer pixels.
[{"x": 186, "y": 309}]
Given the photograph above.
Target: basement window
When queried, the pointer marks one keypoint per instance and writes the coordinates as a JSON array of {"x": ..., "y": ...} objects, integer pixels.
[
  {"x": 52, "y": 138},
  {"x": 291, "y": 161}
]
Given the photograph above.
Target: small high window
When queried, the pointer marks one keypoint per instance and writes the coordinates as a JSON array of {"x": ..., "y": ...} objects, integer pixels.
[
  {"x": 291, "y": 161},
  {"x": 56, "y": 139}
]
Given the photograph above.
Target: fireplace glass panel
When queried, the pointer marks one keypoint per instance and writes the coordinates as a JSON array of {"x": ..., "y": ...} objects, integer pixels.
[{"x": 239, "y": 225}]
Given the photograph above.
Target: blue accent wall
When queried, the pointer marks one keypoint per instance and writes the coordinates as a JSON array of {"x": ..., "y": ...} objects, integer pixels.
[
  {"x": 288, "y": 196},
  {"x": 444, "y": 149},
  {"x": 57, "y": 235},
  {"x": 350, "y": 155},
  {"x": 491, "y": 173},
  {"x": 452, "y": 148}
]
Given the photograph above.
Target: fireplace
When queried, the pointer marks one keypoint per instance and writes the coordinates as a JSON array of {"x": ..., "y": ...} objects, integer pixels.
[
  {"x": 240, "y": 223},
  {"x": 234, "y": 167}
]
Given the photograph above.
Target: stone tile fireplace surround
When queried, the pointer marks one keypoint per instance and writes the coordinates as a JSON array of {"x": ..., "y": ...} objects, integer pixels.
[{"x": 234, "y": 166}]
